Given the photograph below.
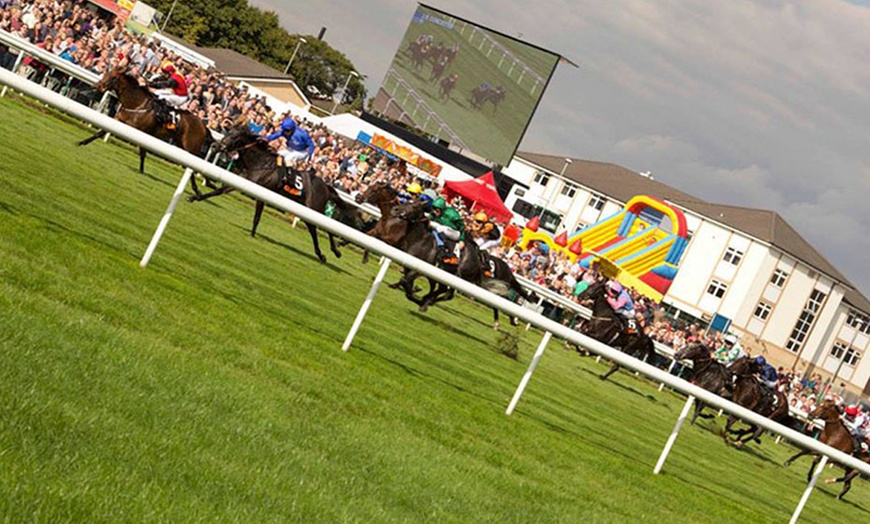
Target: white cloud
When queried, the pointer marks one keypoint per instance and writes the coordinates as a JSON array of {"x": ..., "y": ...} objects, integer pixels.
[{"x": 757, "y": 103}]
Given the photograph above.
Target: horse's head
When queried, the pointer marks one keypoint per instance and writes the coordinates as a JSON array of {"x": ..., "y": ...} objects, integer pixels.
[
  {"x": 827, "y": 410},
  {"x": 110, "y": 79},
  {"x": 744, "y": 366},
  {"x": 693, "y": 351},
  {"x": 413, "y": 212},
  {"x": 378, "y": 193},
  {"x": 237, "y": 138}
]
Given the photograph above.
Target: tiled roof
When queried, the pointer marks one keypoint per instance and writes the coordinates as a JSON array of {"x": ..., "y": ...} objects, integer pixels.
[{"x": 622, "y": 184}]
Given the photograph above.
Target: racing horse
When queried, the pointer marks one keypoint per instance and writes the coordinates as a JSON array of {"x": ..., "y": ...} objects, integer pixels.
[
  {"x": 480, "y": 96},
  {"x": 707, "y": 372},
  {"x": 838, "y": 437},
  {"x": 447, "y": 86},
  {"x": 138, "y": 109},
  {"x": 415, "y": 238},
  {"x": 258, "y": 163},
  {"x": 607, "y": 326},
  {"x": 750, "y": 394}
]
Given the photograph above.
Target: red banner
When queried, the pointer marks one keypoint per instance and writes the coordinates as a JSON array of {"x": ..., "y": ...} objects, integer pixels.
[{"x": 406, "y": 154}]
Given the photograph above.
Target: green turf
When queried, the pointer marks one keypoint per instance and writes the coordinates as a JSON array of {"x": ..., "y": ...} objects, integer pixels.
[
  {"x": 504, "y": 126},
  {"x": 210, "y": 386}
]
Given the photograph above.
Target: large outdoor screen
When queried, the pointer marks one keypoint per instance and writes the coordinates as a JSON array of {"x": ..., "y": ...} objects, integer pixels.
[{"x": 465, "y": 84}]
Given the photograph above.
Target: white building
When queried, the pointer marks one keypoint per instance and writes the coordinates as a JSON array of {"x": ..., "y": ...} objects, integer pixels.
[{"x": 748, "y": 265}]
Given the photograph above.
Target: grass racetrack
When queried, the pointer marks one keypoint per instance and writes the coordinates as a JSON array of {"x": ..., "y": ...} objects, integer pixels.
[{"x": 211, "y": 387}]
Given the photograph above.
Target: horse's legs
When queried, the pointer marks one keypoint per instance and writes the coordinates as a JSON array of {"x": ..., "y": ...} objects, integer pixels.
[
  {"x": 813, "y": 468},
  {"x": 365, "y": 258},
  {"x": 613, "y": 369},
  {"x": 217, "y": 192},
  {"x": 495, "y": 318},
  {"x": 99, "y": 134},
  {"x": 142, "y": 154},
  {"x": 846, "y": 480},
  {"x": 699, "y": 406},
  {"x": 312, "y": 230},
  {"x": 258, "y": 213},
  {"x": 796, "y": 456},
  {"x": 333, "y": 247}
]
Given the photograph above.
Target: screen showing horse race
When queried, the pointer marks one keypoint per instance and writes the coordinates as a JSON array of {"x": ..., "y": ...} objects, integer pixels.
[{"x": 465, "y": 84}]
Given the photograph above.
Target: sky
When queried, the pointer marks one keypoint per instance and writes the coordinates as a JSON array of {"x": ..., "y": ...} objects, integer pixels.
[{"x": 755, "y": 103}]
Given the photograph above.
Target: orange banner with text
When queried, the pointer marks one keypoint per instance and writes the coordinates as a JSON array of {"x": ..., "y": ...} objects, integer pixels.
[{"x": 406, "y": 154}]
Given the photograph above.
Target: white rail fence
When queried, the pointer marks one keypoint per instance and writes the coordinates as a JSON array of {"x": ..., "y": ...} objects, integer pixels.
[{"x": 391, "y": 254}]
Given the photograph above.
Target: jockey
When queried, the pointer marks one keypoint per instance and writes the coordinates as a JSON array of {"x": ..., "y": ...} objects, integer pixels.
[
  {"x": 411, "y": 193},
  {"x": 620, "y": 300},
  {"x": 172, "y": 88},
  {"x": 300, "y": 147},
  {"x": 857, "y": 422},
  {"x": 488, "y": 234},
  {"x": 729, "y": 351},
  {"x": 288, "y": 127},
  {"x": 766, "y": 373},
  {"x": 446, "y": 222}
]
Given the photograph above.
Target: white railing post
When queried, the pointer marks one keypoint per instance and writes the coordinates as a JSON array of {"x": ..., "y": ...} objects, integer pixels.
[
  {"x": 361, "y": 315},
  {"x": 674, "y": 433},
  {"x": 161, "y": 227},
  {"x": 808, "y": 490},
  {"x": 528, "y": 376}
]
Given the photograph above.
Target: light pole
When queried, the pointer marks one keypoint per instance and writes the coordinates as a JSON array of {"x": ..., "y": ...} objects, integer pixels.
[
  {"x": 833, "y": 378},
  {"x": 343, "y": 90},
  {"x": 293, "y": 56},
  {"x": 166, "y": 20}
]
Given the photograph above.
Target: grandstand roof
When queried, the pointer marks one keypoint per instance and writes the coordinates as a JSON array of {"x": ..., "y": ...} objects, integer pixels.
[
  {"x": 622, "y": 184},
  {"x": 234, "y": 64}
]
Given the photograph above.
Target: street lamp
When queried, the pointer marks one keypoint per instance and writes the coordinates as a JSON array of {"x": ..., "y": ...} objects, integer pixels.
[
  {"x": 298, "y": 45},
  {"x": 567, "y": 163},
  {"x": 343, "y": 90},
  {"x": 166, "y": 20},
  {"x": 552, "y": 195},
  {"x": 833, "y": 379}
]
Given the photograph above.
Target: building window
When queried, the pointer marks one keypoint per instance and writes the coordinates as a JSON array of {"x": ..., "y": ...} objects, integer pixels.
[
  {"x": 778, "y": 278},
  {"x": 542, "y": 178},
  {"x": 856, "y": 320},
  {"x": 762, "y": 311},
  {"x": 850, "y": 356},
  {"x": 597, "y": 202},
  {"x": 733, "y": 256},
  {"x": 717, "y": 289},
  {"x": 805, "y": 321},
  {"x": 569, "y": 189}
]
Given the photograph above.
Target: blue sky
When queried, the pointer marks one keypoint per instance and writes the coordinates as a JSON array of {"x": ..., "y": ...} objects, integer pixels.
[{"x": 757, "y": 103}]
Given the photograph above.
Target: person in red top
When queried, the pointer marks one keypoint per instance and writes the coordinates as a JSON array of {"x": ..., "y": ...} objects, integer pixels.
[{"x": 172, "y": 88}]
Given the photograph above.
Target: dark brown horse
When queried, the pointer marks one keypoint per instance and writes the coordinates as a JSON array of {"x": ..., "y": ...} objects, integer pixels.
[
  {"x": 750, "y": 394},
  {"x": 707, "y": 373},
  {"x": 258, "y": 163},
  {"x": 406, "y": 227},
  {"x": 137, "y": 109},
  {"x": 607, "y": 327},
  {"x": 838, "y": 437}
]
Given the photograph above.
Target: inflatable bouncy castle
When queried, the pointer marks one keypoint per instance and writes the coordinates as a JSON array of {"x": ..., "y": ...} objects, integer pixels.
[{"x": 641, "y": 245}]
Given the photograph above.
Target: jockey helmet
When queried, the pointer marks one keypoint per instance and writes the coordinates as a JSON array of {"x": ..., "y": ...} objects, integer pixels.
[
  {"x": 480, "y": 217},
  {"x": 731, "y": 339},
  {"x": 760, "y": 360},
  {"x": 288, "y": 124},
  {"x": 414, "y": 188},
  {"x": 852, "y": 410},
  {"x": 168, "y": 67},
  {"x": 439, "y": 203},
  {"x": 615, "y": 286},
  {"x": 429, "y": 194}
]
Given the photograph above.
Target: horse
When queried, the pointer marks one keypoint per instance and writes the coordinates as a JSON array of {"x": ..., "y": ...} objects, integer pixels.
[
  {"x": 438, "y": 69},
  {"x": 708, "y": 373},
  {"x": 447, "y": 86},
  {"x": 607, "y": 327},
  {"x": 138, "y": 110},
  {"x": 406, "y": 227},
  {"x": 838, "y": 437},
  {"x": 258, "y": 163},
  {"x": 750, "y": 394}
]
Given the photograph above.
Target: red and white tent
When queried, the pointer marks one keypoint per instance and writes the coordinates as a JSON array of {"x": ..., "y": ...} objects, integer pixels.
[{"x": 480, "y": 194}]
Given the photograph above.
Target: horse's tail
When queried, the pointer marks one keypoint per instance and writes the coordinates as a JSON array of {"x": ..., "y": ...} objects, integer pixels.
[{"x": 520, "y": 290}]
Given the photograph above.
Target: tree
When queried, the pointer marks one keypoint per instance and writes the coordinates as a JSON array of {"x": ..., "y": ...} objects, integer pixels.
[{"x": 236, "y": 25}]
